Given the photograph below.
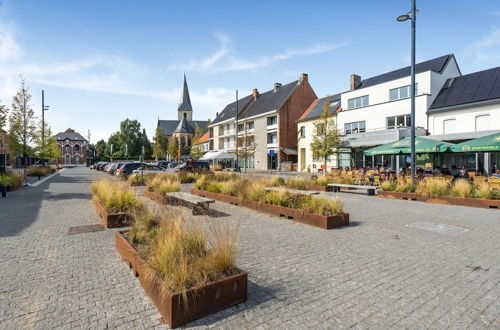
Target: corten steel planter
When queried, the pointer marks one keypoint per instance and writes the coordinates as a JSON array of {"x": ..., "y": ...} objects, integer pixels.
[
  {"x": 321, "y": 221},
  {"x": 155, "y": 196},
  {"x": 201, "y": 301},
  {"x": 401, "y": 195},
  {"x": 319, "y": 188},
  {"x": 446, "y": 200},
  {"x": 135, "y": 184},
  {"x": 471, "y": 202},
  {"x": 112, "y": 220}
]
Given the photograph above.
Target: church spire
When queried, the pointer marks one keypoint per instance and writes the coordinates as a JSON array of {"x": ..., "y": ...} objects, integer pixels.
[{"x": 185, "y": 103}]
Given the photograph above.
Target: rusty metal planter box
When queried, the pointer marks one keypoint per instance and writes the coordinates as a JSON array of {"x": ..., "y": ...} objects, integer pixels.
[
  {"x": 155, "y": 196},
  {"x": 319, "y": 188},
  {"x": 321, "y": 221},
  {"x": 134, "y": 184},
  {"x": 112, "y": 220},
  {"x": 447, "y": 200},
  {"x": 201, "y": 301}
]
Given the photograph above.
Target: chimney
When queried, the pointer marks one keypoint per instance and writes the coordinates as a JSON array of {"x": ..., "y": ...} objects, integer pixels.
[
  {"x": 355, "y": 81},
  {"x": 255, "y": 94},
  {"x": 277, "y": 86},
  {"x": 303, "y": 77}
]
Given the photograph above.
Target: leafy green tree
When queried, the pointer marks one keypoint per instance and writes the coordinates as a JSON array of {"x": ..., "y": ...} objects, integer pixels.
[
  {"x": 160, "y": 143},
  {"x": 173, "y": 148},
  {"x": 197, "y": 148},
  {"x": 326, "y": 136},
  {"x": 114, "y": 140},
  {"x": 53, "y": 149},
  {"x": 3, "y": 117},
  {"x": 148, "y": 151},
  {"x": 100, "y": 149},
  {"x": 44, "y": 149},
  {"x": 130, "y": 136},
  {"x": 22, "y": 122}
]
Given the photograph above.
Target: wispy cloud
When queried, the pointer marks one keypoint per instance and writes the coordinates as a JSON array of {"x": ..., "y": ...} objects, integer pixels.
[
  {"x": 495, "y": 13},
  {"x": 486, "y": 49},
  {"x": 222, "y": 59},
  {"x": 9, "y": 48}
]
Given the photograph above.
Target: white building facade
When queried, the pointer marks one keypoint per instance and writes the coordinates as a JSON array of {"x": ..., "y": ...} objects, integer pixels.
[{"x": 377, "y": 110}]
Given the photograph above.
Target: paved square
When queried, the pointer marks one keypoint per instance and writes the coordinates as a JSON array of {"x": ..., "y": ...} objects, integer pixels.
[{"x": 383, "y": 271}]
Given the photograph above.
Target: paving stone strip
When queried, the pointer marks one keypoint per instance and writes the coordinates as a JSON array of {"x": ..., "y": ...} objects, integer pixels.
[{"x": 379, "y": 273}]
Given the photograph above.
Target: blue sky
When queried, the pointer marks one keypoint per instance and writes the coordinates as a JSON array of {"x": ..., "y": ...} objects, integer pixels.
[{"x": 101, "y": 61}]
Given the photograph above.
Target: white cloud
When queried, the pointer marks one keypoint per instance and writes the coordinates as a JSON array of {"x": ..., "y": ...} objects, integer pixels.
[
  {"x": 222, "y": 60},
  {"x": 9, "y": 48},
  {"x": 486, "y": 49},
  {"x": 495, "y": 13}
]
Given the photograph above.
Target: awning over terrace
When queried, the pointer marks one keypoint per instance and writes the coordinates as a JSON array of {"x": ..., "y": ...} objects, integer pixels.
[
  {"x": 486, "y": 144},
  {"x": 422, "y": 145},
  {"x": 217, "y": 155}
]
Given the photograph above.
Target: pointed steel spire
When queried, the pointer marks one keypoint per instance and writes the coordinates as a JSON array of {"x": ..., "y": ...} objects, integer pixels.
[{"x": 185, "y": 101}]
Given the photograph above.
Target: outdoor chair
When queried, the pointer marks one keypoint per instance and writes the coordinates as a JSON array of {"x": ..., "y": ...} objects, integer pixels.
[
  {"x": 494, "y": 182},
  {"x": 478, "y": 180}
]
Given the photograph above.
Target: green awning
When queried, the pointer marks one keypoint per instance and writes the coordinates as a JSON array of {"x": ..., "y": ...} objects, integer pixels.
[
  {"x": 485, "y": 143},
  {"x": 422, "y": 145}
]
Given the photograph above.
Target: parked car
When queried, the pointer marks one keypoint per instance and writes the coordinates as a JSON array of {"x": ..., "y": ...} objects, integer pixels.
[
  {"x": 127, "y": 168},
  {"x": 112, "y": 168},
  {"x": 149, "y": 168},
  {"x": 100, "y": 166},
  {"x": 196, "y": 166},
  {"x": 171, "y": 167}
]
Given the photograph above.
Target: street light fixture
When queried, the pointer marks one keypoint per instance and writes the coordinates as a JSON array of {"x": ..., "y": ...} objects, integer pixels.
[
  {"x": 402, "y": 18},
  {"x": 44, "y": 108}
]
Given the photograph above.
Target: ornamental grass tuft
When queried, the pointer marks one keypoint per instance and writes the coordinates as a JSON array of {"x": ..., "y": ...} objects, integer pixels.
[
  {"x": 297, "y": 183},
  {"x": 11, "y": 179},
  {"x": 461, "y": 188},
  {"x": 322, "y": 180},
  {"x": 115, "y": 197},
  {"x": 187, "y": 254},
  {"x": 432, "y": 188},
  {"x": 277, "y": 181},
  {"x": 387, "y": 185},
  {"x": 164, "y": 183}
]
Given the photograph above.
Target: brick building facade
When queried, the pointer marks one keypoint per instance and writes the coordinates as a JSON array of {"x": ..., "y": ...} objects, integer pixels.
[{"x": 75, "y": 149}]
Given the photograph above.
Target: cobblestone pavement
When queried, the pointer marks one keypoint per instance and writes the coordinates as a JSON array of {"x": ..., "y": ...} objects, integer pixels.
[{"x": 393, "y": 267}]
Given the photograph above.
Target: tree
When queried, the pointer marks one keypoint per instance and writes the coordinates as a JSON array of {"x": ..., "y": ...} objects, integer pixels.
[
  {"x": 100, "y": 149},
  {"x": 197, "y": 147},
  {"x": 22, "y": 122},
  {"x": 130, "y": 137},
  {"x": 114, "y": 140},
  {"x": 326, "y": 136},
  {"x": 148, "y": 150},
  {"x": 53, "y": 149},
  {"x": 246, "y": 145},
  {"x": 45, "y": 149},
  {"x": 160, "y": 143},
  {"x": 173, "y": 148},
  {"x": 3, "y": 117}
]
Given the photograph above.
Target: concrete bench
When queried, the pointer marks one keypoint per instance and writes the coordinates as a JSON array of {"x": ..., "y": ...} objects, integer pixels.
[
  {"x": 294, "y": 191},
  {"x": 370, "y": 190},
  {"x": 199, "y": 205}
]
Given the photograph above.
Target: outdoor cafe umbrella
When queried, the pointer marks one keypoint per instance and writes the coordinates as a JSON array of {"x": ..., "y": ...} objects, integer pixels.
[
  {"x": 422, "y": 145},
  {"x": 485, "y": 143}
]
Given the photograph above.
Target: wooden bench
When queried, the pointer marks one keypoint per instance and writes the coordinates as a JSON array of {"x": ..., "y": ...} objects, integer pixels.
[
  {"x": 294, "y": 191},
  {"x": 199, "y": 205},
  {"x": 370, "y": 190}
]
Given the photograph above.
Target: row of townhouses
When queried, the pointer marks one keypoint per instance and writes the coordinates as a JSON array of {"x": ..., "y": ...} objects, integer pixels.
[{"x": 274, "y": 129}]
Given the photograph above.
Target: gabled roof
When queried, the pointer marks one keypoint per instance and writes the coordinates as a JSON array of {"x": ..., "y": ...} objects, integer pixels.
[
  {"x": 185, "y": 102},
  {"x": 169, "y": 126},
  {"x": 316, "y": 108},
  {"x": 203, "y": 139},
  {"x": 230, "y": 110},
  {"x": 184, "y": 126},
  {"x": 436, "y": 64},
  {"x": 70, "y": 135},
  {"x": 474, "y": 87},
  {"x": 271, "y": 100}
]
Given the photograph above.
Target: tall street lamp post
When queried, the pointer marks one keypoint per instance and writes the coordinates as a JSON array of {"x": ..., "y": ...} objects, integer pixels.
[
  {"x": 413, "y": 16},
  {"x": 44, "y": 108},
  {"x": 236, "y": 138}
]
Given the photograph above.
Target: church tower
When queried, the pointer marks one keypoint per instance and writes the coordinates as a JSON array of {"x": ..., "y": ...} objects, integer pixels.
[{"x": 185, "y": 110}]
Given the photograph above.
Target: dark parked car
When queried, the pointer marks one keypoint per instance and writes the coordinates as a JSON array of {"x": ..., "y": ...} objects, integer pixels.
[
  {"x": 127, "y": 168},
  {"x": 100, "y": 166}
]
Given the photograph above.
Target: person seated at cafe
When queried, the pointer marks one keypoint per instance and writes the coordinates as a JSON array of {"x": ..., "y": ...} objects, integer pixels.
[
  {"x": 497, "y": 174},
  {"x": 454, "y": 171},
  {"x": 436, "y": 170}
]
